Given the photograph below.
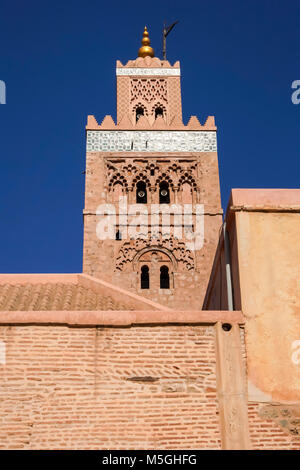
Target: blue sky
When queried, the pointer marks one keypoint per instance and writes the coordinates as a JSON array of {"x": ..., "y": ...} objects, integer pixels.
[{"x": 238, "y": 61}]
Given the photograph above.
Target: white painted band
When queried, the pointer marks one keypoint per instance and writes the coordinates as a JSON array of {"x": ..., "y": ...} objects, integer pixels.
[
  {"x": 151, "y": 141},
  {"x": 148, "y": 71}
]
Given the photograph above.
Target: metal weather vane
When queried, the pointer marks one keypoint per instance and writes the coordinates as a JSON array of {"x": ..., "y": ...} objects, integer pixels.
[{"x": 166, "y": 31}]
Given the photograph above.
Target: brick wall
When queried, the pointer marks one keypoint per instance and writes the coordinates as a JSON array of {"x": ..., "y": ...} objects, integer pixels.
[
  {"x": 151, "y": 387},
  {"x": 274, "y": 426}
]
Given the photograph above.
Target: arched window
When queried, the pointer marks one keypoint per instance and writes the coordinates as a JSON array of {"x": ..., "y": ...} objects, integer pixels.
[
  {"x": 164, "y": 193},
  {"x": 145, "y": 277},
  {"x": 118, "y": 235},
  {"x": 164, "y": 278},
  {"x": 141, "y": 193},
  {"x": 159, "y": 112},
  {"x": 138, "y": 113}
]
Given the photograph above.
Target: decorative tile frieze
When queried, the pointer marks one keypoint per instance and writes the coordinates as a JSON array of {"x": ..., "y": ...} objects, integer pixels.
[
  {"x": 151, "y": 141},
  {"x": 148, "y": 71}
]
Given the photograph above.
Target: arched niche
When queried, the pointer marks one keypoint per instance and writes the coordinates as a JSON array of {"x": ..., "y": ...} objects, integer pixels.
[
  {"x": 141, "y": 193},
  {"x": 117, "y": 191},
  {"x": 186, "y": 193},
  {"x": 144, "y": 277},
  {"x": 139, "y": 112},
  {"x": 164, "y": 193},
  {"x": 164, "y": 277}
]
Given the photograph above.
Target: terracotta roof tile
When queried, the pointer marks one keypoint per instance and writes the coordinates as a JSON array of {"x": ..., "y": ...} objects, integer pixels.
[{"x": 54, "y": 296}]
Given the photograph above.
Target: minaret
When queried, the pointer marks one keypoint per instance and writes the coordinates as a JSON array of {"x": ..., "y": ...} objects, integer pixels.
[{"x": 149, "y": 157}]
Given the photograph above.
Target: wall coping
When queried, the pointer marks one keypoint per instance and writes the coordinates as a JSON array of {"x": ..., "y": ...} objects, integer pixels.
[
  {"x": 265, "y": 197},
  {"x": 120, "y": 317},
  {"x": 265, "y": 208}
]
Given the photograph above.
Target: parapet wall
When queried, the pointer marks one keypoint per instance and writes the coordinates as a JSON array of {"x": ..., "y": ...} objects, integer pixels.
[
  {"x": 142, "y": 387},
  {"x": 132, "y": 380}
]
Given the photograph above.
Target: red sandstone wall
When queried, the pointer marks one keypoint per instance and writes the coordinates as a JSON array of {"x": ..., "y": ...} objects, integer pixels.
[
  {"x": 99, "y": 257},
  {"x": 108, "y": 388}
]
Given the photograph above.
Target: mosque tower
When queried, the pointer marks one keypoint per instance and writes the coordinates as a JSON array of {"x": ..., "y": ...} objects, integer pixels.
[{"x": 151, "y": 158}]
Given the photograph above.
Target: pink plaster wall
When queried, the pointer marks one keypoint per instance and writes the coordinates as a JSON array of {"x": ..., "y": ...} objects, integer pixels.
[{"x": 264, "y": 227}]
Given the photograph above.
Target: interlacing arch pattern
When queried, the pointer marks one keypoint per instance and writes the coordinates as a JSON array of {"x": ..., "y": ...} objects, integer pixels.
[
  {"x": 117, "y": 179},
  {"x": 177, "y": 248},
  {"x": 148, "y": 89},
  {"x": 164, "y": 177},
  {"x": 186, "y": 178},
  {"x": 141, "y": 177},
  {"x": 152, "y": 172},
  {"x": 152, "y": 166},
  {"x": 138, "y": 106},
  {"x": 159, "y": 105}
]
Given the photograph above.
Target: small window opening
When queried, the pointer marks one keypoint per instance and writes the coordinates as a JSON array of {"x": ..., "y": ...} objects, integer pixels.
[
  {"x": 138, "y": 113},
  {"x": 118, "y": 235},
  {"x": 164, "y": 193},
  {"x": 141, "y": 193},
  {"x": 164, "y": 278},
  {"x": 159, "y": 112},
  {"x": 145, "y": 277},
  {"x": 152, "y": 172},
  {"x": 226, "y": 326}
]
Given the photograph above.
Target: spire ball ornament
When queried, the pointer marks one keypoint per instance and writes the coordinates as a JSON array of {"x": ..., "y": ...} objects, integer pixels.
[{"x": 146, "y": 50}]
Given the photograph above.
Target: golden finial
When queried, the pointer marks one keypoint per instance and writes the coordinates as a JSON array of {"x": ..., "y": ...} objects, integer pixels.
[{"x": 146, "y": 50}]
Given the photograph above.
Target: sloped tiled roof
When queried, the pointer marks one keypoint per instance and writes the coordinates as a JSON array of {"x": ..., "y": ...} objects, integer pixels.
[{"x": 54, "y": 296}]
